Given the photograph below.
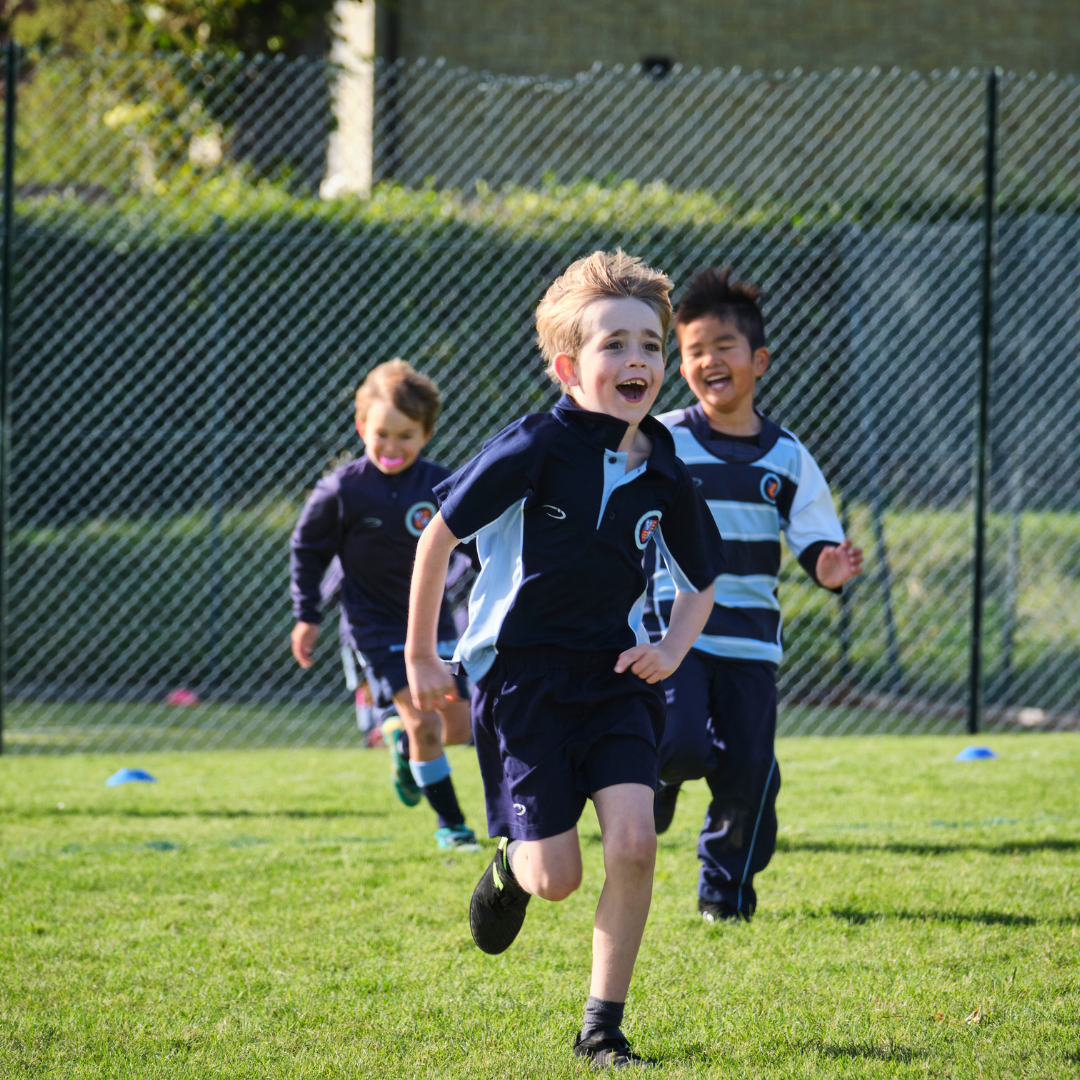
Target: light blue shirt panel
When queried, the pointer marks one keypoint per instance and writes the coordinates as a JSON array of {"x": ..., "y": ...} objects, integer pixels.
[
  {"x": 745, "y": 521},
  {"x": 668, "y": 579},
  {"x": 731, "y": 590},
  {"x": 735, "y": 648},
  {"x": 499, "y": 546},
  {"x": 739, "y": 648},
  {"x": 615, "y": 475},
  {"x": 689, "y": 449},
  {"x": 445, "y": 649},
  {"x": 677, "y": 576},
  {"x": 747, "y": 591},
  {"x": 636, "y": 619}
]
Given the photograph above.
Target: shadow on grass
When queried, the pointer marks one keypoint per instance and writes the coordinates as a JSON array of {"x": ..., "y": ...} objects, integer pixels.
[
  {"x": 986, "y": 918},
  {"x": 900, "y": 847},
  {"x": 865, "y": 1051},
  {"x": 170, "y": 812}
]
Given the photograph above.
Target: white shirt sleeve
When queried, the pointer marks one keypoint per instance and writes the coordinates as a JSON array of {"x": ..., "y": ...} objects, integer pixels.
[{"x": 813, "y": 516}]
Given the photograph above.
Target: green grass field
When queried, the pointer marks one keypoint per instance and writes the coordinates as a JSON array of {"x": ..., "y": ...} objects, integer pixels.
[{"x": 277, "y": 913}]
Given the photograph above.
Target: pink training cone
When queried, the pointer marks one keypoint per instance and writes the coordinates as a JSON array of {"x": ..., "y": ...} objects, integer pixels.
[{"x": 182, "y": 696}]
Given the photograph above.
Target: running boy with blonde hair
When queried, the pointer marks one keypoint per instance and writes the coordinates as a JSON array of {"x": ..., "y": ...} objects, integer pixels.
[
  {"x": 370, "y": 513},
  {"x": 568, "y": 705}
]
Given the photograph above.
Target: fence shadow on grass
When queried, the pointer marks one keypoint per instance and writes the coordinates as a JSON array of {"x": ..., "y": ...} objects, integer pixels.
[
  {"x": 986, "y": 918},
  {"x": 169, "y": 812},
  {"x": 911, "y": 847}
]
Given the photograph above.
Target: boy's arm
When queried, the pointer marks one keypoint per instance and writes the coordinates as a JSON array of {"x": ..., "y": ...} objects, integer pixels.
[
  {"x": 838, "y": 564},
  {"x": 430, "y": 681},
  {"x": 814, "y": 532},
  {"x": 689, "y": 613},
  {"x": 315, "y": 542}
]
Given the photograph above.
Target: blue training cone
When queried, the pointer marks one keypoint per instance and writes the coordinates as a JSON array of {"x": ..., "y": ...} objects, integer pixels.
[
  {"x": 975, "y": 753},
  {"x": 130, "y": 776}
]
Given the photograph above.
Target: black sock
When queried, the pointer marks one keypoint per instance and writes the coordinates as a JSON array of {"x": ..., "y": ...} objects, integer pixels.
[
  {"x": 444, "y": 802},
  {"x": 403, "y": 743},
  {"x": 602, "y": 1016}
]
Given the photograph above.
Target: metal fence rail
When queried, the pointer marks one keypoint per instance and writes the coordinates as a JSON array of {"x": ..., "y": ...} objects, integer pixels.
[{"x": 204, "y": 261}]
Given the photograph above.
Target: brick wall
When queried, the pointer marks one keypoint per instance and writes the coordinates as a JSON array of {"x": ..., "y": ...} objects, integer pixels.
[{"x": 561, "y": 37}]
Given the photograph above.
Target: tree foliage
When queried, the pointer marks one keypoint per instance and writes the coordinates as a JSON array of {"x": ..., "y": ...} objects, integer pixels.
[{"x": 291, "y": 27}]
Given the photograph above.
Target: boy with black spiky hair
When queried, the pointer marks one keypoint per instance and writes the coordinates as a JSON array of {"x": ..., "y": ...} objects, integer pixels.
[
  {"x": 568, "y": 706},
  {"x": 759, "y": 481}
]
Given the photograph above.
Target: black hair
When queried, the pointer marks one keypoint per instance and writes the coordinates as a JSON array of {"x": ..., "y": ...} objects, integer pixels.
[{"x": 713, "y": 292}]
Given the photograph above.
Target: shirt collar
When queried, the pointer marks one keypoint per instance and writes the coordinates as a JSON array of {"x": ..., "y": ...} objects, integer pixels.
[
  {"x": 698, "y": 423},
  {"x": 606, "y": 432}
]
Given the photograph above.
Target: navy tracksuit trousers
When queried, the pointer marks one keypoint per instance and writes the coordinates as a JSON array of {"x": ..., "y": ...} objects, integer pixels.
[{"x": 721, "y": 725}]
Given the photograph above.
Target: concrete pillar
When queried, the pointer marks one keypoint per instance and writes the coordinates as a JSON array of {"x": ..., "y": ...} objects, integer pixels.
[{"x": 348, "y": 159}]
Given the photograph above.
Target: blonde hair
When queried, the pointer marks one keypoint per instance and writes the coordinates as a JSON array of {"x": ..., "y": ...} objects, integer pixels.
[
  {"x": 599, "y": 276},
  {"x": 398, "y": 384}
]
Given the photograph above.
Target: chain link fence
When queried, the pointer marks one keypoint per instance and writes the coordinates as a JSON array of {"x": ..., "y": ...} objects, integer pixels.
[{"x": 208, "y": 254}]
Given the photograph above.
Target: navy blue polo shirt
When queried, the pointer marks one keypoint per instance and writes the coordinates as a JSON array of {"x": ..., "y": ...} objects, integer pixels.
[
  {"x": 561, "y": 528},
  {"x": 371, "y": 521}
]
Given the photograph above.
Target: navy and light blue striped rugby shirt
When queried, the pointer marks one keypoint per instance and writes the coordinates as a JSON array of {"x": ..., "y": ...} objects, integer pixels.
[
  {"x": 561, "y": 528},
  {"x": 754, "y": 493},
  {"x": 372, "y": 522}
]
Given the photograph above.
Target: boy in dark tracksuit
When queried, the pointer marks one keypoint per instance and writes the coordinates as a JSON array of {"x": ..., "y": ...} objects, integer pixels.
[
  {"x": 568, "y": 704},
  {"x": 370, "y": 514},
  {"x": 758, "y": 481}
]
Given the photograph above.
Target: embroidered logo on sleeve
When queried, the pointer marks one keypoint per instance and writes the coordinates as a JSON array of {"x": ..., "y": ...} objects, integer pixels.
[
  {"x": 418, "y": 516},
  {"x": 647, "y": 524}
]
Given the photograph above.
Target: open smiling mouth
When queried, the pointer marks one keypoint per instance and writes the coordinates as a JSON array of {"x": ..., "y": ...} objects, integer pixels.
[
  {"x": 718, "y": 382},
  {"x": 632, "y": 389}
]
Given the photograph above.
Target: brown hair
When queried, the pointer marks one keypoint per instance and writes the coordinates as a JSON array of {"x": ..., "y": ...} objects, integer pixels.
[
  {"x": 398, "y": 384},
  {"x": 599, "y": 276},
  {"x": 713, "y": 292}
]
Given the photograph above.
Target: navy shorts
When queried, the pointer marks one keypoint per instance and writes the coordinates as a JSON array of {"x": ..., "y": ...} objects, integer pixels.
[
  {"x": 554, "y": 725},
  {"x": 384, "y": 670}
]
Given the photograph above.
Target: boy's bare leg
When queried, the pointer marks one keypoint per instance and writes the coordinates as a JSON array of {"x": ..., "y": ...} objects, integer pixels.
[
  {"x": 430, "y": 768},
  {"x": 629, "y": 836},
  {"x": 549, "y": 868},
  {"x": 425, "y": 729},
  {"x": 456, "y": 723}
]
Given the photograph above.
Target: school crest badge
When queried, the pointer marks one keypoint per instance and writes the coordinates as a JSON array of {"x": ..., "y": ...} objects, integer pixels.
[
  {"x": 418, "y": 516},
  {"x": 770, "y": 487},
  {"x": 647, "y": 524}
]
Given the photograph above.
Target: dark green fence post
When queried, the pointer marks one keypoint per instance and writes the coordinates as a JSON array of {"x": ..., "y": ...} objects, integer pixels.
[
  {"x": 872, "y": 476},
  {"x": 982, "y": 420},
  {"x": 217, "y": 526},
  {"x": 11, "y": 78},
  {"x": 845, "y": 608}
]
